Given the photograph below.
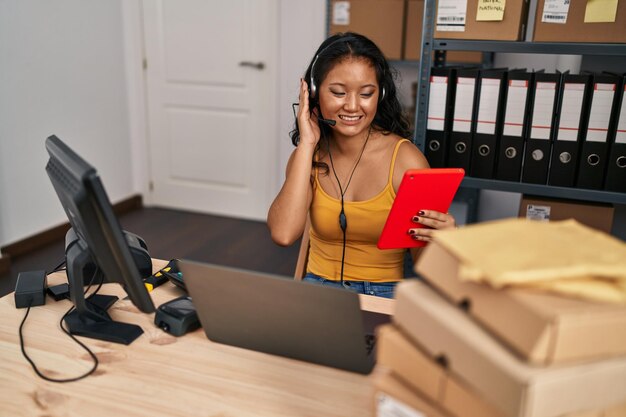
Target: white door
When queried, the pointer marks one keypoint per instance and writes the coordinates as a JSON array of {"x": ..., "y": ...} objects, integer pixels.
[{"x": 211, "y": 87}]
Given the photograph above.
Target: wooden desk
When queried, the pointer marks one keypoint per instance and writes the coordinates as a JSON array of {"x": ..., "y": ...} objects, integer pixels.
[{"x": 161, "y": 375}]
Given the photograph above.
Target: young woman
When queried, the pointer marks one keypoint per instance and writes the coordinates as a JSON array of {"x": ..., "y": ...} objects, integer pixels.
[{"x": 351, "y": 153}]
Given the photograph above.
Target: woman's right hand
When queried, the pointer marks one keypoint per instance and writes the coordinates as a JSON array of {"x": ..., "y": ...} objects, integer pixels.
[{"x": 307, "y": 119}]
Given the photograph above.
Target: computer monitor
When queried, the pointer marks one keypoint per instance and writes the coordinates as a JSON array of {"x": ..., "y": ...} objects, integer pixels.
[{"x": 90, "y": 214}]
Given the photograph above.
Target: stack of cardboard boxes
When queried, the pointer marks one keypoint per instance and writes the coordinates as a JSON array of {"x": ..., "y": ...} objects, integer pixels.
[{"x": 460, "y": 349}]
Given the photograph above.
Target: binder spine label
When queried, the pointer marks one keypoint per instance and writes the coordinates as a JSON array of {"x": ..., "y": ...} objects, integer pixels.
[
  {"x": 621, "y": 122},
  {"x": 488, "y": 106},
  {"x": 600, "y": 112},
  {"x": 543, "y": 110},
  {"x": 515, "y": 108},
  {"x": 437, "y": 103},
  {"x": 573, "y": 94},
  {"x": 463, "y": 106}
]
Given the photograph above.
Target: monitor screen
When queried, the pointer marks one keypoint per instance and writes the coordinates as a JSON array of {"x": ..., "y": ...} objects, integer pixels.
[{"x": 91, "y": 216}]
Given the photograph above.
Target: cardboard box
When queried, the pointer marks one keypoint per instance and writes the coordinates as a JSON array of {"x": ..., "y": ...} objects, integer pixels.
[
  {"x": 379, "y": 20},
  {"x": 576, "y": 30},
  {"x": 413, "y": 38},
  {"x": 510, "y": 28},
  {"x": 423, "y": 374},
  {"x": 596, "y": 215},
  {"x": 518, "y": 389},
  {"x": 541, "y": 328},
  {"x": 394, "y": 398}
]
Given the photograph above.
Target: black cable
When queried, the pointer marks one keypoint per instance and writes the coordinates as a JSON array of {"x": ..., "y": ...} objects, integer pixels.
[
  {"x": 32, "y": 364},
  {"x": 343, "y": 221},
  {"x": 93, "y": 356},
  {"x": 58, "y": 267}
]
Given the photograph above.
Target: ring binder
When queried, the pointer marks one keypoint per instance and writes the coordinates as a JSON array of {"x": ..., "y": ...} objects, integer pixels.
[
  {"x": 602, "y": 112},
  {"x": 541, "y": 133},
  {"x": 515, "y": 126},
  {"x": 459, "y": 153},
  {"x": 616, "y": 170},
  {"x": 569, "y": 126},
  {"x": 488, "y": 122},
  {"x": 441, "y": 98}
]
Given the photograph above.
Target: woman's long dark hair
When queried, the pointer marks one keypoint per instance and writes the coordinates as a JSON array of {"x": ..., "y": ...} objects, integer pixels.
[{"x": 389, "y": 116}]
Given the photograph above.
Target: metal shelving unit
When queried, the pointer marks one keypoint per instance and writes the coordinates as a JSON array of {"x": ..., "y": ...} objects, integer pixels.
[
  {"x": 473, "y": 185},
  {"x": 604, "y": 49}
]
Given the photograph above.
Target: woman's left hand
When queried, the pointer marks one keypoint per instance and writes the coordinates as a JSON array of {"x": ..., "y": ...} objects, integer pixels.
[{"x": 433, "y": 220}]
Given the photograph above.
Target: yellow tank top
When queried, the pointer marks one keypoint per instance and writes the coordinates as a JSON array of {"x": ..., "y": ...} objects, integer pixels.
[{"x": 363, "y": 260}]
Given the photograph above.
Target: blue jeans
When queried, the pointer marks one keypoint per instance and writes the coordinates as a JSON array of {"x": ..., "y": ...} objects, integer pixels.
[{"x": 379, "y": 289}]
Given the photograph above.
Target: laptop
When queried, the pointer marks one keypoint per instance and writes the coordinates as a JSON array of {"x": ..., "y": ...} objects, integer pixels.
[{"x": 280, "y": 316}]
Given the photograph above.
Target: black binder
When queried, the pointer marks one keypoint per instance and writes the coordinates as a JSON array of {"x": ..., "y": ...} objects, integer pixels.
[
  {"x": 515, "y": 126},
  {"x": 616, "y": 170},
  {"x": 440, "y": 106},
  {"x": 569, "y": 125},
  {"x": 488, "y": 126},
  {"x": 541, "y": 130},
  {"x": 463, "y": 119},
  {"x": 595, "y": 147}
]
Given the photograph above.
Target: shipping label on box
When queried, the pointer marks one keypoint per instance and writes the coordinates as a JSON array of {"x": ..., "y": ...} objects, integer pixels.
[
  {"x": 451, "y": 15},
  {"x": 596, "y": 215}
]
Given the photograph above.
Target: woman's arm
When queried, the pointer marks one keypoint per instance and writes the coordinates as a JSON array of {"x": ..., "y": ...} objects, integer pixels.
[{"x": 287, "y": 214}]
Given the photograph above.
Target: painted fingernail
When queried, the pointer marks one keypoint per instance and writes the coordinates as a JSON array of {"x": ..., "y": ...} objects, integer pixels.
[
  {"x": 411, "y": 232},
  {"x": 415, "y": 219},
  {"x": 421, "y": 212}
]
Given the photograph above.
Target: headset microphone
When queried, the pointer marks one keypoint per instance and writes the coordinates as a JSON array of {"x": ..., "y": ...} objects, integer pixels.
[{"x": 329, "y": 122}]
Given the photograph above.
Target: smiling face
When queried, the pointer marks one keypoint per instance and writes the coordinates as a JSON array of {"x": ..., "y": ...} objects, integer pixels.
[{"x": 349, "y": 95}]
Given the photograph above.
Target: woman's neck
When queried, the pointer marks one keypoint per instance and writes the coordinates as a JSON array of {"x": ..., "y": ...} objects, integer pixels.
[{"x": 350, "y": 145}]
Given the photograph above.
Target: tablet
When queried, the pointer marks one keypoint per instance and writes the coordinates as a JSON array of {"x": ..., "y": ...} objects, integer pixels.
[{"x": 420, "y": 189}]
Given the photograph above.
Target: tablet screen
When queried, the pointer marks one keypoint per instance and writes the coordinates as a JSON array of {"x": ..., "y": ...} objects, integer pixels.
[{"x": 420, "y": 189}]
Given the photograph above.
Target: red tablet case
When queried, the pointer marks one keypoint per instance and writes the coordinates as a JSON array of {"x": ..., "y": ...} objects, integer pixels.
[{"x": 420, "y": 189}]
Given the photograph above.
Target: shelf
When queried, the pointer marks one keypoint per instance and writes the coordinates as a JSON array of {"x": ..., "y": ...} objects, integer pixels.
[
  {"x": 530, "y": 47},
  {"x": 545, "y": 190}
]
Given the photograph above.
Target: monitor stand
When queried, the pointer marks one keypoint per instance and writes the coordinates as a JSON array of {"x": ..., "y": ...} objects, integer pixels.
[{"x": 90, "y": 317}]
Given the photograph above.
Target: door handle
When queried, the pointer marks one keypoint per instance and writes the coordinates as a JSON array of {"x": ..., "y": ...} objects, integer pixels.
[{"x": 257, "y": 65}]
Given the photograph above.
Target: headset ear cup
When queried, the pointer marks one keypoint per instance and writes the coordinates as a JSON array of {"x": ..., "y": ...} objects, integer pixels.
[
  {"x": 382, "y": 94},
  {"x": 312, "y": 88}
]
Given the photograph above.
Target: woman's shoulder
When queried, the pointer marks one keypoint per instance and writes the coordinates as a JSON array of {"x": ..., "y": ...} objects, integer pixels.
[{"x": 408, "y": 155}]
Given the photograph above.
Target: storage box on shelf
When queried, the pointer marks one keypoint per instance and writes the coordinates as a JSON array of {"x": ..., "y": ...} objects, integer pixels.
[
  {"x": 379, "y": 20},
  {"x": 571, "y": 26}
]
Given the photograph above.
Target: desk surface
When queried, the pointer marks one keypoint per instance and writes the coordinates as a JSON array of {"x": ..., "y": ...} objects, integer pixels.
[{"x": 161, "y": 375}]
